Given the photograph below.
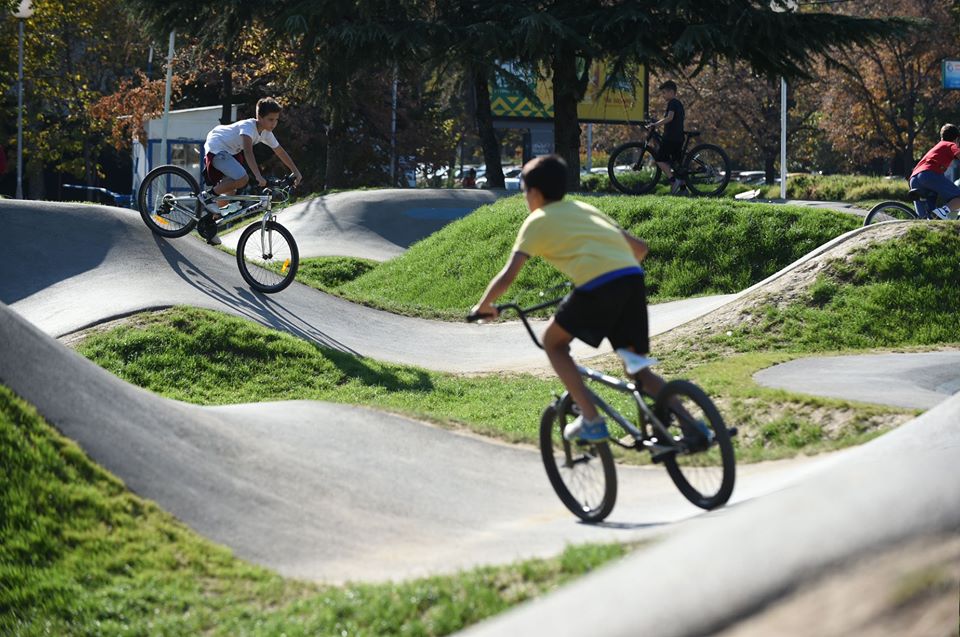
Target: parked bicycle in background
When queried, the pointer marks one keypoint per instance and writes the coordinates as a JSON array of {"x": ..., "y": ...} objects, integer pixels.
[{"x": 704, "y": 169}]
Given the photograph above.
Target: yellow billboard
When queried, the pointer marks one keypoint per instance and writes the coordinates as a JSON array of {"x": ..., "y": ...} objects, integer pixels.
[{"x": 624, "y": 100}]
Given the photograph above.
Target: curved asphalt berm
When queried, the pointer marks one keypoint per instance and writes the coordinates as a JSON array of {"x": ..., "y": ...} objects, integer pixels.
[
  {"x": 915, "y": 381},
  {"x": 69, "y": 266},
  {"x": 332, "y": 492},
  {"x": 374, "y": 224},
  {"x": 730, "y": 565}
]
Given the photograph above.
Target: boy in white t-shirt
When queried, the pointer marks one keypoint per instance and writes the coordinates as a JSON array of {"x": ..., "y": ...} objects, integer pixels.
[{"x": 230, "y": 144}]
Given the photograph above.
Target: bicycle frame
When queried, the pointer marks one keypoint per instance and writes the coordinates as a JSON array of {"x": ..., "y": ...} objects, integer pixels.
[
  {"x": 249, "y": 206},
  {"x": 612, "y": 382}
]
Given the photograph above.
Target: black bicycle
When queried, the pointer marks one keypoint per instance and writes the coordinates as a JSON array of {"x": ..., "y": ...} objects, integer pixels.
[
  {"x": 704, "y": 169},
  {"x": 923, "y": 201},
  {"x": 584, "y": 475},
  {"x": 267, "y": 255}
]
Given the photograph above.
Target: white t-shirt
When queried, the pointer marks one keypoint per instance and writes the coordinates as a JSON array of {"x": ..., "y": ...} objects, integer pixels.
[{"x": 227, "y": 137}]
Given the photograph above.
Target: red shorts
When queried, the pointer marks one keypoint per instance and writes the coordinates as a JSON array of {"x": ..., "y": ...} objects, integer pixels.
[{"x": 213, "y": 175}]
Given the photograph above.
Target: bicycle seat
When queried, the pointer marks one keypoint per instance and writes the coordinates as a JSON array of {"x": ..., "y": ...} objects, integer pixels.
[
  {"x": 920, "y": 194},
  {"x": 635, "y": 362},
  {"x": 692, "y": 133}
]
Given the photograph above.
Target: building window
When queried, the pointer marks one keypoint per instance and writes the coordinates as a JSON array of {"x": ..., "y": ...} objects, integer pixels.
[{"x": 186, "y": 155}]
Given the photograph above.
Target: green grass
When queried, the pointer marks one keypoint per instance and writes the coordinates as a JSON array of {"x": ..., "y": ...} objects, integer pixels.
[
  {"x": 697, "y": 246},
  {"x": 81, "y": 555},
  {"x": 600, "y": 182}
]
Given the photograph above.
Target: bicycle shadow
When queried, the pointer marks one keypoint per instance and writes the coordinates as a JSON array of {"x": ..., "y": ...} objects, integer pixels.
[{"x": 263, "y": 309}]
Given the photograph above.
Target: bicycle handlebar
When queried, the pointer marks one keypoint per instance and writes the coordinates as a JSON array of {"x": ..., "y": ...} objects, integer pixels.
[{"x": 521, "y": 312}]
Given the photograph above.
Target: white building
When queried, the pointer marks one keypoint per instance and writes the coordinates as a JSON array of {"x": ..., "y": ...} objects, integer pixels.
[{"x": 186, "y": 132}]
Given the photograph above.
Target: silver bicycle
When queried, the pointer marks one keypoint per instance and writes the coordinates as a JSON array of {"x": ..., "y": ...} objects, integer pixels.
[{"x": 267, "y": 255}]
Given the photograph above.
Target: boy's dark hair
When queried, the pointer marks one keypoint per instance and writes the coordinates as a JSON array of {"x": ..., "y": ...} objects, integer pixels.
[
  {"x": 669, "y": 85},
  {"x": 949, "y": 133},
  {"x": 267, "y": 105},
  {"x": 548, "y": 174}
]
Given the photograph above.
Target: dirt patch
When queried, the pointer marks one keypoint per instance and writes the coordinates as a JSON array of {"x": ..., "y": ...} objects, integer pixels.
[{"x": 911, "y": 589}]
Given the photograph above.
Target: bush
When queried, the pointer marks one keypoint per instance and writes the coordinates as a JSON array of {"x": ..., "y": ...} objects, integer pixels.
[{"x": 849, "y": 188}]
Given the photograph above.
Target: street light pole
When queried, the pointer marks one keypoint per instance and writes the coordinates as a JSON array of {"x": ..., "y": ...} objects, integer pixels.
[{"x": 24, "y": 11}]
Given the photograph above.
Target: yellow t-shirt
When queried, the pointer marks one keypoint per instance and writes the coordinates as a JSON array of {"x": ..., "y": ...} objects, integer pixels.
[{"x": 576, "y": 239}]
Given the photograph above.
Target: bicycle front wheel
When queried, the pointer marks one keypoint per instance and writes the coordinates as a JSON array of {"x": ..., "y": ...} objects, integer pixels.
[
  {"x": 633, "y": 169},
  {"x": 582, "y": 473},
  {"x": 890, "y": 211},
  {"x": 167, "y": 200},
  {"x": 706, "y": 170},
  {"x": 268, "y": 257},
  {"x": 705, "y": 472}
]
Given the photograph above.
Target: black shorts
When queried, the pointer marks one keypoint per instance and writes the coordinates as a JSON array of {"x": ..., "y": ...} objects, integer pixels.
[
  {"x": 669, "y": 151},
  {"x": 616, "y": 310}
]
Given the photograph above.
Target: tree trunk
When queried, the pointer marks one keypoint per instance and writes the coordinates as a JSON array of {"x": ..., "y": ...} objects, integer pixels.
[
  {"x": 769, "y": 167},
  {"x": 226, "y": 87},
  {"x": 336, "y": 136},
  {"x": 36, "y": 187},
  {"x": 488, "y": 136},
  {"x": 568, "y": 89}
]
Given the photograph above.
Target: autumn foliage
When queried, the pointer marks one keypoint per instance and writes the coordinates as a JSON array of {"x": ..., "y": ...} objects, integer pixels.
[{"x": 130, "y": 106}]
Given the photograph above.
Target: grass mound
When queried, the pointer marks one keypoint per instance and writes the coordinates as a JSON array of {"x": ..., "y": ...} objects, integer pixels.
[
  {"x": 697, "y": 246},
  {"x": 849, "y": 188},
  {"x": 901, "y": 292},
  {"x": 234, "y": 361},
  {"x": 81, "y": 555}
]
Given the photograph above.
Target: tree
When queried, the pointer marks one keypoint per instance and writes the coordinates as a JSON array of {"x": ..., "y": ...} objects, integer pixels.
[
  {"x": 675, "y": 34},
  {"x": 339, "y": 42},
  {"x": 740, "y": 110},
  {"x": 887, "y": 99},
  {"x": 218, "y": 26},
  {"x": 69, "y": 62}
]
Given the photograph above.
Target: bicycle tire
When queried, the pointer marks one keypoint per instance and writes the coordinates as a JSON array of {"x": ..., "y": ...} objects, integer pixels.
[
  {"x": 683, "y": 467},
  {"x": 890, "y": 211},
  {"x": 632, "y": 168},
  {"x": 581, "y": 461},
  {"x": 706, "y": 170},
  {"x": 267, "y": 272},
  {"x": 157, "y": 187}
]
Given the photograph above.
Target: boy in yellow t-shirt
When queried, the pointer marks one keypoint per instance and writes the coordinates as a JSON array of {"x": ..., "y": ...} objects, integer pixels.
[{"x": 609, "y": 299}]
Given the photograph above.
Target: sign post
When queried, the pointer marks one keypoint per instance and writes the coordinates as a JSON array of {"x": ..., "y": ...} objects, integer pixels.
[{"x": 950, "y": 73}]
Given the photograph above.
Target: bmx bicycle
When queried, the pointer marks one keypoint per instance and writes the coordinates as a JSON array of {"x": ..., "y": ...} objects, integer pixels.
[
  {"x": 267, "y": 255},
  {"x": 923, "y": 200},
  {"x": 633, "y": 169},
  {"x": 583, "y": 474}
]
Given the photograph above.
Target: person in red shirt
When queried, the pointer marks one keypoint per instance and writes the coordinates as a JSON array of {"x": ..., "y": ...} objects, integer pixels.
[{"x": 929, "y": 172}]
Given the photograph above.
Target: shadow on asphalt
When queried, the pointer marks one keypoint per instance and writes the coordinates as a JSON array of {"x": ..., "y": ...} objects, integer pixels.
[
  {"x": 267, "y": 311},
  {"x": 249, "y": 304}
]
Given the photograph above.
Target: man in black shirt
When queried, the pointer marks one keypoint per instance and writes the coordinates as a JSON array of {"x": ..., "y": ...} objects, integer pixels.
[{"x": 672, "y": 145}]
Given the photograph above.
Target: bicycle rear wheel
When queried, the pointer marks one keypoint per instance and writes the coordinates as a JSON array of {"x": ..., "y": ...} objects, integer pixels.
[
  {"x": 704, "y": 473},
  {"x": 582, "y": 474},
  {"x": 268, "y": 260},
  {"x": 890, "y": 211},
  {"x": 633, "y": 169},
  {"x": 167, "y": 200},
  {"x": 706, "y": 170}
]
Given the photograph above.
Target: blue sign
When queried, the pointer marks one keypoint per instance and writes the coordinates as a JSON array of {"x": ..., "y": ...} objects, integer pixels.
[{"x": 951, "y": 74}]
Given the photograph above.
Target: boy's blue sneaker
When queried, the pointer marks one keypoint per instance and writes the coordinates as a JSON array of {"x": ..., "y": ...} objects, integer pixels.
[{"x": 590, "y": 431}]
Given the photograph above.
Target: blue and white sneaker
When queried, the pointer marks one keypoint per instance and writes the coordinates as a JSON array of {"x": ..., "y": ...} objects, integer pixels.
[{"x": 590, "y": 431}]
